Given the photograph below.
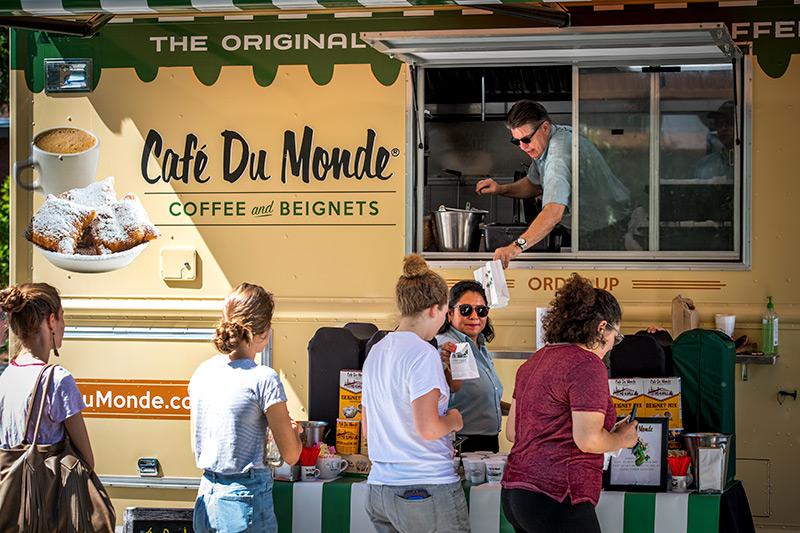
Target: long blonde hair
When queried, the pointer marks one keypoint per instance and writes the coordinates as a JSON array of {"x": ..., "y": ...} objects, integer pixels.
[{"x": 247, "y": 312}]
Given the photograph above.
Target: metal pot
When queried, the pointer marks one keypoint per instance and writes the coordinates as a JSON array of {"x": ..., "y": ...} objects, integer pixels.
[
  {"x": 313, "y": 432},
  {"x": 694, "y": 441},
  {"x": 458, "y": 230}
]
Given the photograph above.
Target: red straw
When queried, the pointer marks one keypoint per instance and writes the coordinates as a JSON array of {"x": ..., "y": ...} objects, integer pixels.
[
  {"x": 679, "y": 465},
  {"x": 308, "y": 456}
]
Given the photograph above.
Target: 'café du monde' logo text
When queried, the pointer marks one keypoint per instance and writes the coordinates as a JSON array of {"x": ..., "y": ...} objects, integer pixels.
[{"x": 302, "y": 160}]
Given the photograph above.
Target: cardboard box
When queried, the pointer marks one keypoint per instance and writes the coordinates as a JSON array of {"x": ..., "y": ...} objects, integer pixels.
[
  {"x": 348, "y": 435},
  {"x": 625, "y": 393},
  {"x": 350, "y": 394},
  {"x": 662, "y": 398}
]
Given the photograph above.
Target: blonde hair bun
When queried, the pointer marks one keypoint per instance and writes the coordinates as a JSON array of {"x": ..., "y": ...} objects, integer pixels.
[
  {"x": 12, "y": 300},
  {"x": 414, "y": 266}
]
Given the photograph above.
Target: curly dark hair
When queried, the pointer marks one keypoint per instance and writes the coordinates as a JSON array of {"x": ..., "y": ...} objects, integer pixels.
[
  {"x": 459, "y": 290},
  {"x": 577, "y": 310}
]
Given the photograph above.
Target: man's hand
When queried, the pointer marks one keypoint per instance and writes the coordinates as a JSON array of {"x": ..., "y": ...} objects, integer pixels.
[
  {"x": 507, "y": 253},
  {"x": 487, "y": 186}
]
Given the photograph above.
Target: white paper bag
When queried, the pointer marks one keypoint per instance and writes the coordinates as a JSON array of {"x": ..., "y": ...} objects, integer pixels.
[
  {"x": 462, "y": 362},
  {"x": 493, "y": 279}
]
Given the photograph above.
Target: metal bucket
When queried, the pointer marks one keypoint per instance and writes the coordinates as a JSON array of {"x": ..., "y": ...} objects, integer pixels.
[
  {"x": 694, "y": 441},
  {"x": 458, "y": 230},
  {"x": 313, "y": 432}
]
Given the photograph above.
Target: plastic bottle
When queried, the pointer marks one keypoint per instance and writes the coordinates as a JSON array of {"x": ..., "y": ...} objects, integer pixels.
[{"x": 769, "y": 330}]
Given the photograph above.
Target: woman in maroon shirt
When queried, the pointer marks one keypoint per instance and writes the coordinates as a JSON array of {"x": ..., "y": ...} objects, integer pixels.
[{"x": 562, "y": 418}]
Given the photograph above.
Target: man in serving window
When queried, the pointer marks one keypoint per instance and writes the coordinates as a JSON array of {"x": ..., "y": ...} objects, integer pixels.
[{"x": 605, "y": 199}]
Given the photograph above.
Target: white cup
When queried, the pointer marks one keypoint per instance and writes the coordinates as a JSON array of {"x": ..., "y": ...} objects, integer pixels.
[
  {"x": 679, "y": 483},
  {"x": 725, "y": 323},
  {"x": 330, "y": 467},
  {"x": 59, "y": 172},
  {"x": 309, "y": 473},
  {"x": 494, "y": 470},
  {"x": 474, "y": 470}
]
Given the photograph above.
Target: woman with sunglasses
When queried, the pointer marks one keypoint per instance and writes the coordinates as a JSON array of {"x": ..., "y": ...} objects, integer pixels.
[
  {"x": 562, "y": 419},
  {"x": 478, "y": 400}
]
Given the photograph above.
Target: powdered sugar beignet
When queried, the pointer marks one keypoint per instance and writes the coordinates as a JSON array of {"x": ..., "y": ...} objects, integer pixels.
[
  {"x": 122, "y": 226},
  {"x": 97, "y": 195},
  {"x": 59, "y": 224}
]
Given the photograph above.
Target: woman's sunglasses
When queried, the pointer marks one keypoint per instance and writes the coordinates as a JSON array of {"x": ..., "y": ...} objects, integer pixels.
[
  {"x": 466, "y": 310},
  {"x": 527, "y": 139}
]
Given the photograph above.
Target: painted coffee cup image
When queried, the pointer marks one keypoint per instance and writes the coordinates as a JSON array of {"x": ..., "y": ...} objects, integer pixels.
[{"x": 64, "y": 157}]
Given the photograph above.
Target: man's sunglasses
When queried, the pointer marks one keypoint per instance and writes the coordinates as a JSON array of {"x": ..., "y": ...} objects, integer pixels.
[
  {"x": 527, "y": 139},
  {"x": 466, "y": 310}
]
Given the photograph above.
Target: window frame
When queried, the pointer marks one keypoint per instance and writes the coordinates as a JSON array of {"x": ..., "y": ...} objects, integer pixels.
[{"x": 737, "y": 259}]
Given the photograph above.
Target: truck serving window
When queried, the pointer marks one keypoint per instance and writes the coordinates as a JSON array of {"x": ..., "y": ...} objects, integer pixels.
[{"x": 656, "y": 144}]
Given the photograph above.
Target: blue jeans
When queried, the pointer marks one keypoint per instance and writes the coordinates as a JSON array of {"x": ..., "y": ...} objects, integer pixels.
[{"x": 235, "y": 503}]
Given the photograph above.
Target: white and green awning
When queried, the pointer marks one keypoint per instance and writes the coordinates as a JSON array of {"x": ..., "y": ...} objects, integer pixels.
[
  {"x": 340, "y": 506},
  {"x": 49, "y": 8}
]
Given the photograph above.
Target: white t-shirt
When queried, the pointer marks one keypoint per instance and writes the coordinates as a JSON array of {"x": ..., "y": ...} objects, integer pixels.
[
  {"x": 229, "y": 401},
  {"x": 401, "y": 368}
]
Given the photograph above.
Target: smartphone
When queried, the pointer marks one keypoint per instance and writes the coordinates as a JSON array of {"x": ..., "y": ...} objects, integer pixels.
[{"x": 632, "y": 416}]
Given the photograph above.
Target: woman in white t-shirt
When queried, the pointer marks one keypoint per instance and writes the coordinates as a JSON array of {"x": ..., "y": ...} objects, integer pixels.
[
  {"x": 413, "y": 487},
  {"x": 233, "y": 402}
]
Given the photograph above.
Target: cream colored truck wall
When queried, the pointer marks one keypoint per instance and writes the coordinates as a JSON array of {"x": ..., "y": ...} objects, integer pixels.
[{"x": 768, "y": 433}]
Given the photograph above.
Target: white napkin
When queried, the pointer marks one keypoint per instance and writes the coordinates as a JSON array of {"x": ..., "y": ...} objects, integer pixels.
[
  {"x": 607, "y": 457},
  {"x": 710, "y": 468}
]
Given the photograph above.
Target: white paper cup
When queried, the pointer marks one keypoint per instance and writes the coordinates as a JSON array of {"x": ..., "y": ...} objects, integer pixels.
[
  {"x": 475, "y": 471},
  {"x": 309, "y": 473},
  {"x": 494, "y": 470},
  {"x": 725, "y": 323},
  {"x": 679, "y": 483}
]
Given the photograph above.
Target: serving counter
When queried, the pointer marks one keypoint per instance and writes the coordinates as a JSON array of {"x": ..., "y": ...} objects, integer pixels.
[{"x": 340, "y": 506}]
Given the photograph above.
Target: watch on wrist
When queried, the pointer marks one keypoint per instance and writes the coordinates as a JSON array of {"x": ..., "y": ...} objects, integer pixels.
[{"x": 521, "y": 243}]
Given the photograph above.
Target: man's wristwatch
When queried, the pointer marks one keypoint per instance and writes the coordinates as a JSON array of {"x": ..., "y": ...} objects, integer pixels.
[{"x": 521, "y": 243}]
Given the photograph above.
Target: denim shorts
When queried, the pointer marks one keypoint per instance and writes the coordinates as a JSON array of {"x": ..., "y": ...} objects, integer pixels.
[
  {"x": 235, "y": 503},
  {"x": 444, "y": 510}
]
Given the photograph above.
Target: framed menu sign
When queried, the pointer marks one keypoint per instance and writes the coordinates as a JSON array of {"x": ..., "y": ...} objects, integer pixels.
[{"x": 642, "y": 468}]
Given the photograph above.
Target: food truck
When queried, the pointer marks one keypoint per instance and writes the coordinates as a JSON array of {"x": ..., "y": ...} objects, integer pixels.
[{"x": 308, "y": 145}]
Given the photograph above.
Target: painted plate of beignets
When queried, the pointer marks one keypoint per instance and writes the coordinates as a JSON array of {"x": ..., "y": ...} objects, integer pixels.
[
  {"x": 97, "y": 195},
  {"x": 93, "y": 264},
  {"x": 59, "y": 224}
]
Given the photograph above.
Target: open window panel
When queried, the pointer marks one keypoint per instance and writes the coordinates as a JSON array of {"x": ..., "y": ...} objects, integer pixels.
[{"x": 660, "y": 150}]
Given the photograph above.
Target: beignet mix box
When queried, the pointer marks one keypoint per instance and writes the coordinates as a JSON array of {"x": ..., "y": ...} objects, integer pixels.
[
  {"x": 662, "y": 398},
  {"x": 350, "y": 394},
  {"x": 656, "y": 398},
  {"x": 625, "y": 393}
]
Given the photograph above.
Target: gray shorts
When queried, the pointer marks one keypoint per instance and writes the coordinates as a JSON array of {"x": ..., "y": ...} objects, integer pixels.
[{"x": 444, "y": 511}]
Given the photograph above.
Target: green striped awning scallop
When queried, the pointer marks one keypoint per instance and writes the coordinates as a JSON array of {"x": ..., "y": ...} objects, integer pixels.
[
  {"x": 340, "y": 507},
  {"x": 189, "y": 7}
]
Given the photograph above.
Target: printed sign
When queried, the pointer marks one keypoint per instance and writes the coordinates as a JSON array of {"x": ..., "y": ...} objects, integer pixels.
[{"x": 123, "y": 398}]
